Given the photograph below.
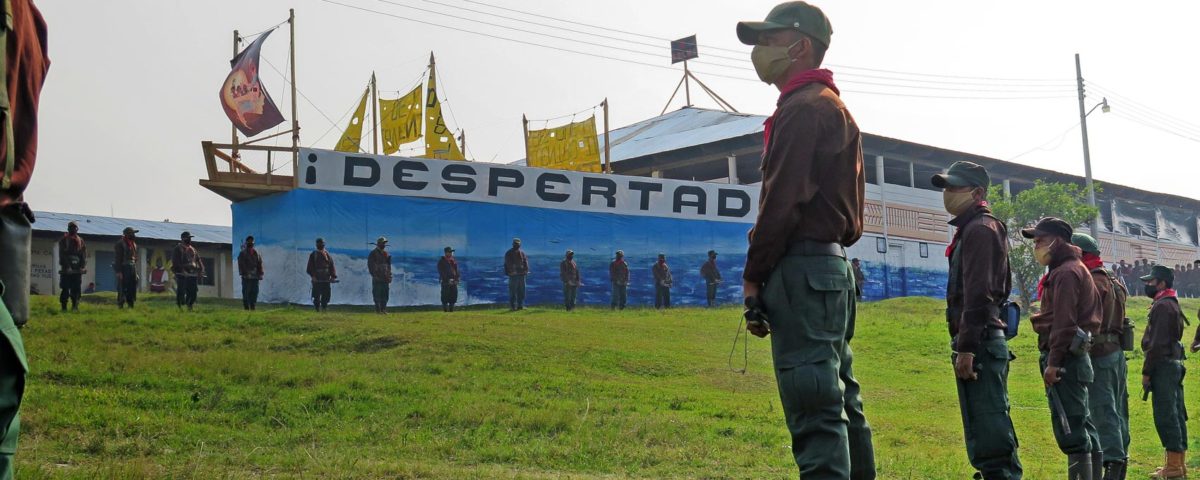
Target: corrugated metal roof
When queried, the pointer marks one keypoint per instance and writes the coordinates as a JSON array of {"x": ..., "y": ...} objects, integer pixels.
[
  {"x": 682, "y": 128},
  {"x": 108, "y": 226}
]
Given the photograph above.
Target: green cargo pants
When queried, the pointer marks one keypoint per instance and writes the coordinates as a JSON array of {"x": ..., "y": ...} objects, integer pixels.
[
  {"x": 810, "y": 305},
  {"x": 1108, "y": 402},
  {"x": 12, "y": 388},
  {"x": 1072, "y": 390},
  {"x": 987, "y": 427},
  {"x": 1170, "y": 413}
]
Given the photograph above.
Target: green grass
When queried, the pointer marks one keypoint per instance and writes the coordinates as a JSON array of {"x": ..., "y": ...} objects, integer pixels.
[{"x": 482, "y": 393}]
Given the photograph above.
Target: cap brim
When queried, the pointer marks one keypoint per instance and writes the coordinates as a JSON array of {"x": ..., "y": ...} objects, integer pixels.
[
  {"x": 1146, "y": 278},
  {"x": 748, "y": 32},
  {"x": 943, "y": 180},
  {"x": 1029, "y": 232}
]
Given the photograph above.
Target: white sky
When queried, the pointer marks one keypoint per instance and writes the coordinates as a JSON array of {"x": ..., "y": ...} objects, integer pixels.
[{"x": 133, "y": 85}]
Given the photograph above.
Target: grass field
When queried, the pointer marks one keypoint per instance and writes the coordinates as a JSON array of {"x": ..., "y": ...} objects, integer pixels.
[{"x": 285, "y": 392}]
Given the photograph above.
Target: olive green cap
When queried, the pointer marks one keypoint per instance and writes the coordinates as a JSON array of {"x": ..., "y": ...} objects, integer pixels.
[
  {"x": 801, "y": 16},
  {"x": 381, "y": 241},
  {"x": 963, "y": 174},
  {"x": 1160, "y": 272},
  {"x": 1086, "y": 243}
]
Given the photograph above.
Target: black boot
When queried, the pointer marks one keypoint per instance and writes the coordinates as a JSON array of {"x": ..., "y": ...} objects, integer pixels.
[
  {"x": 1097, "y": 466},
  {"x": 64, "y": 306},
  {"x": 1079, "y": 466},
  {"x": 1114, "y": 470}
]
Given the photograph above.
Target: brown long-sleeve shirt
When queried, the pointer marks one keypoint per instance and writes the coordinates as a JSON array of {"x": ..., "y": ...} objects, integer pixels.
[
  {"x": 185, "y": 261},
  {"x": 250, "y": 264},
  {"x": 1164, "y": 330},
  {"x": 1069, "y": 300},
  {"x": 515, "y": 262},
  {"x": 379, "y": 264},
  {"x": 980, "y": 277},
  {"x": 1112, "y": 307},
  {"x": 124, "y": 254},
  {"x": 813, "y": 181},
  {"x": 568, "y": 272},
  {"x": 662, "y": 274},
  {"x": 72, "y": 254},
  {"x": 320, "y": 266},
  {"x": 26, "y": 66},
  {"x": 618, "y": 272},
  {"x": 448, "y": 271},
  {"x": 710, "y": 273}
]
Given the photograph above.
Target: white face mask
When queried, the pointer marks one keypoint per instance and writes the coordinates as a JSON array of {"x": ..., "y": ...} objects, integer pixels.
[{"x": 770, "y": 63}]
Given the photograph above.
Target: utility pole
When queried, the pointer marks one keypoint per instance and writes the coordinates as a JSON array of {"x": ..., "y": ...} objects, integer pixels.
[
  {"x": 1087, "y": 155},
  {"x": 374, "y": 116},
  {"x": 295, "y": 119},
  {"x": 607, "y": 145},
  {"x": 234, "y": 151}
]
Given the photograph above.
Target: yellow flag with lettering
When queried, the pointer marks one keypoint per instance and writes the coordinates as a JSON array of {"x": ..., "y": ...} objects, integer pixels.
[
  {"x": 570, "y": 147},
  {"x": 352, "y": 137},
  {"x": 439, "y": 140},
  {"x": 400, "y": 120}
]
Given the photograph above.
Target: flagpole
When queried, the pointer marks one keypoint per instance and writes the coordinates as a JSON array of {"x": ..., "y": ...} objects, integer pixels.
[
  {"x": 374, "y": 116},
  {"x": 462, "y": 137},
  {"x": 525, "y": 126},
  {"x": 607, "y": 150},
  {"x": 426, "y": 113},
  {"x": 233, "y": 127},
  {"x": 295, "y": 120}
]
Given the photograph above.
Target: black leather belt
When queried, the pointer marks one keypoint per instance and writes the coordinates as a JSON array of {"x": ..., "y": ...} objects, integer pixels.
[
  {"x": 1106, "y": 338},
  {"x": 994, "y": 333},
  {"x": 808, "y": 248}
]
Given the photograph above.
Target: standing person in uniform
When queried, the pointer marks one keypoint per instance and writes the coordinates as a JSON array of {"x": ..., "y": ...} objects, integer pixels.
[
  {"x": 978, "y": 286},
  {"x": 712, "y": 278},
  {"x": 449, "y": 277},
  {"x": 1068, "y": 321},
  {"x": 25, "y": 64},
  {"x": 568, "y": 272},
  {"x": 323, "y": 273},
  {"x": 72, "y": 262},
  {"x": 188, "y": 268},
  {"x": 1163, "y": 369},
  {"x": 618, "y": 275},
  {"x": 125, "y": 258},
  {"x": 516, "y": 266},
  {"x": 1108, "y": 396},
  {"x": 379, "y": 264},
  {"x": 860, "y": 279},
  {"x": 662, "y": 283},
  {"x": 250, "y": 268},
  {"x": 810, "y": 208}
]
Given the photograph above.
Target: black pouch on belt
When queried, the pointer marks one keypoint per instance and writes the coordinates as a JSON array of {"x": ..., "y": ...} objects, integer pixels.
[
  {"x": 1082, "y": 343},
  {"x": 15, "y": 235},
  {"x": 1127, "y": 335}
]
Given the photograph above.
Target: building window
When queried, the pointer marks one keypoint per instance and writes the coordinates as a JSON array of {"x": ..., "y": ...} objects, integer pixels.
[
  {"x": 924, "y": 249},
  {"x": 881, "y": 245},
  {"x": 210, "y": 272},
  {"x": 1133, "y": 230},
  {"x": 923, "y": 174},
  {"x": 869, "y": 169},
  {"x": 897, "y": 172}
]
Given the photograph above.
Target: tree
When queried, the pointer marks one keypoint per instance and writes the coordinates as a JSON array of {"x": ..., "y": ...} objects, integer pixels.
[{"x": 1067, "y": 201}]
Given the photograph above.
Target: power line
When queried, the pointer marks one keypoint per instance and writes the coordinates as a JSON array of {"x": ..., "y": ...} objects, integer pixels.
[
  {"x": 1060, "y": 138},
  {"x": 1156, "y": 127},
  {"x": 664, "y": 67},
  {"x": 1149, "y": 111}
]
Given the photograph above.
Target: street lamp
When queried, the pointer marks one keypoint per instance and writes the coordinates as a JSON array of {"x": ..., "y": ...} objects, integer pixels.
[{"x": 1087, "y": 156}]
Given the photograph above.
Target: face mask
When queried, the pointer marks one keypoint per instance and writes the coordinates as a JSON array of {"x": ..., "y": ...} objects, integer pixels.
[
  {"x": 1151, "y": 291},
  {"x": 957, "y": 203},
  {"x": 771, "y": 62},
  {"x": 1042, "y": 254}
]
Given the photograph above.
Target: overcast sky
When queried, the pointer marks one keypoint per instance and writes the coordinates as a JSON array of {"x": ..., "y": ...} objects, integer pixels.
[{"x": 132, "y": 90}]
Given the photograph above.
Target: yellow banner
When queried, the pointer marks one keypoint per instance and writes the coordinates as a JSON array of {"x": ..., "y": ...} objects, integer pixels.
[
  {"x": 352, "y": 138},
  {"x": 570, "y": 147},
  {"x": 400, "y": 120},
  {"x": 439, "y": 140}
]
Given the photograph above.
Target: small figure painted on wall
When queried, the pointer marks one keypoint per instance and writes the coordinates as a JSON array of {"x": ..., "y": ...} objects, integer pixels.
[
  {"x": 449, "y": 278},
  {"x": 712, "y": 278},
  {"x": 662, "y": 283}
]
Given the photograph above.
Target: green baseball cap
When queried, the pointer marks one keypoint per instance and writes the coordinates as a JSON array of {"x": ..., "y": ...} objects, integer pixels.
[
  {"x": 1086, "y": 243},
  {"x": 963, "y": 174},
  {"x": 381, "y": 241},
  {"x": 801, "y": 16},
  {"x": 1160, "y": 272}
]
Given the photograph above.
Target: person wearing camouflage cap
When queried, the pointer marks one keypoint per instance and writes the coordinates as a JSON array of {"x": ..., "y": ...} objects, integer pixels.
[
  {"x": 568, "y": 273},
  {"x": 125, "y": 258},
  {"x": 1108, "y": 395},
  {"x": 72, "y": 264},
  {"x": 618, "y": 275},
  {"x": 811, "y": 209},
  {"x": 323, "y": 274},
  {"x": 379, "y": 265},
  {"x": 1163, "y": 369},
  {"x": 977, "y": 287},
  {"x": 1069, "y": 318},
  {"x": 516, "y": 267}
]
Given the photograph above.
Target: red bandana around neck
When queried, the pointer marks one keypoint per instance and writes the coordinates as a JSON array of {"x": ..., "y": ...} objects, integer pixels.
[
  {"x": 954, "y": 241},
  {"x": 1168, "y": 292},
  {"x": 1092, "y": 261},
  {"x": 816, "y": 75}
]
